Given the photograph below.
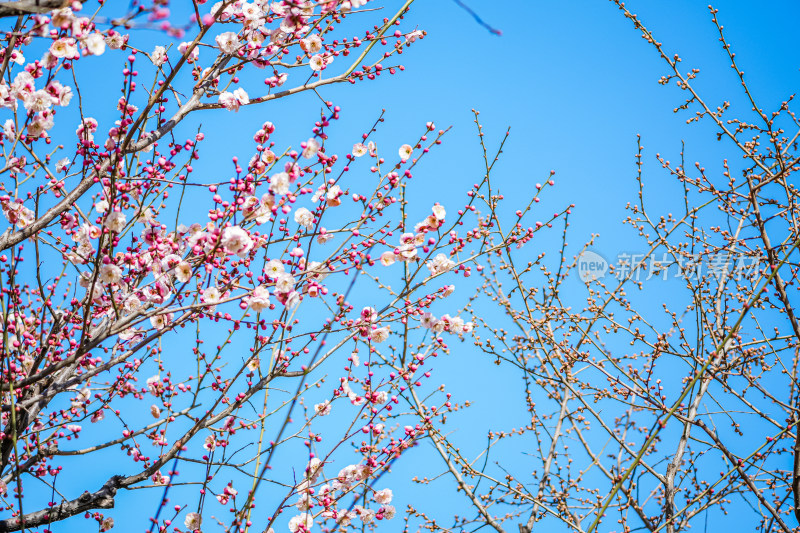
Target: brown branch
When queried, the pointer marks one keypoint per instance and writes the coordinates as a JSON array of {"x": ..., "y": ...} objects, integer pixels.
[
  {"x": 31, "y": 7},
  {"x": 103, "y": 498}
]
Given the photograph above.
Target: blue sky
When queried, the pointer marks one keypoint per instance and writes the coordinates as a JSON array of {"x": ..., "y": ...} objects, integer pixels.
[{"x": 575, "y": 83}]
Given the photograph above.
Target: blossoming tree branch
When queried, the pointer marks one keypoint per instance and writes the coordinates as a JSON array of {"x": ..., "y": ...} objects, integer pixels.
[
  {"x": 256, "y": 350},
  {"x": 186, "y": 348}
]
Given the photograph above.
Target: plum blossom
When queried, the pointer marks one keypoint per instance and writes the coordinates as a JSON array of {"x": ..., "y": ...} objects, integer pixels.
[
  {"x": 317, "y": 62},
  {"x": 359, "y": 150},
  {"x": 323, "y": 409},
  {"x": 65, "y": 47},
  {"x": 383, "y": 496},
  {"x": 154, "y": 385},
  {"x": 23, "y": 85},
  {"x": 232, "y": 101},
  {"x": 116, "y": 40},
  {"x": 405, "y": 152},
  {"x": 259, "y": 299},
  {"x": 159, "y": 56},
  {"x": 110, "y": 273},
  {"x": 193, "y": 55},
  {"x": 406, "y": 252},
  {"x": 18, "y": 214},
  {"x": 95, "y": 44},
  {"x": 284, "y": 283},
  {"x": 304, "y": 217},
  {"x": 211, "y": 296},
  {"x": 387, "y": 258},
  {"x": 193, "y": 521},
  {"x": 440, "y": 264},
  {"x": 301, "y": 522},
  {"x": 311, "y": 149},
  {"x": 380, "y": 334},
  {"x": 183, "y": 271},
  {"x": 366, "y": 515},
  {"x": 38, "y": 101},
  {"x": 311, "y": 44},
  {"x": 236, "y": 240},
  {"x": 274, "y": 268},
  {"x": 228, "y": 42},
  {"x": 427, "y": 321},
  {"x": 279, "y": 183},
  {"x": 160, "y": 321},
  {"x": 251, "y": 11},
  {"x": 414, "y": 35},
  {"x": 115, "y": 221}
]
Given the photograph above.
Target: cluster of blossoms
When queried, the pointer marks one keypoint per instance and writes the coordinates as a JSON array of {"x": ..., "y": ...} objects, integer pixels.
[
  {"x": 135, "y": 263},
  {"x": 72, "y": 37},
  {"x": 451, "y": 324},
  {"x": 320, "y": 499},
  {"x": 410, "y": 242}
]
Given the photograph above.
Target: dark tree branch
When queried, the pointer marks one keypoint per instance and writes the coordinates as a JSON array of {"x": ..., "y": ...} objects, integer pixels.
[
  {"x": 30, "y": 7},
  {"x": 101, "y": 499}
]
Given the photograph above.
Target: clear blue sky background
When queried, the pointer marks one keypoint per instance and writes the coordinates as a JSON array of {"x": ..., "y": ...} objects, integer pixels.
[{"x": 575, "y": 83}]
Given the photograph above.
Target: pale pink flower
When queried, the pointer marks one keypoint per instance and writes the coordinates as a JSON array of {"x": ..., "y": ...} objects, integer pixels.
[
  {"x": 65, "y": 47},
  {"x": 193, "y": 56},
  {"x": 235, "y": 240},
  {"x": 193, "y": 521},
  {"x": 115, "y": 221},
  {"x": 405, "y": 152},
  {"x": 323, "y": 409},
  {"x": 110, "y": 273},
  {"x": 274, "y": 268},
  {"x": 388, "y": 257},
  {"x": 383, "y": 496},
  {"x": 279, "y": 183},
  {"x": 159, "y": 321},
  {"x": 311, "y": 149},
  {"x": 380, "y": 334},
  {"x": 252, "y": 11},
  {"x": 301, "y": 522},
  {"x": 284, "y": 283},
  {"x": 228, "y": 42},
  {"x": 159, "y": 56},
  {"x": 259, "y": 299},
  {"x": 317, "y": 62},
  {"x": 154, "y": 385},
  {"x": 311, "y": 44},
  {"x": 36, "y": 101},
  {"x": 366, "y": 515},
  {"x": 232, "y": 101},
  {"x": 183, "y": 271},
  {"x": 211, "y": 296},
  {"x": 115, "y": 40},
  {"x": 304, "y": 217},
  {"x": 440, "y": 264},
  {"x": 95, "y": 44},
  {"x": 359, "y": 150}
]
